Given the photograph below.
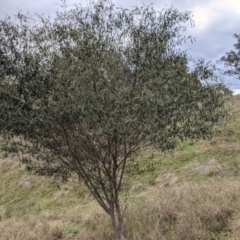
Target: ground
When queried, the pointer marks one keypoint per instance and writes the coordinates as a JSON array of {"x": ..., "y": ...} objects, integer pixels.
[{"x": 192, "y": 193}]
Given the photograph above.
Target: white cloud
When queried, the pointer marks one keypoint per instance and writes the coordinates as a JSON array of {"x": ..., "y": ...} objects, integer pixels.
[
  {"x": 236, "y": 91},
  {"x": 231, "y": 6},
  {"x": 208, "y": 12},
  {"x": 202, "y": 16}
]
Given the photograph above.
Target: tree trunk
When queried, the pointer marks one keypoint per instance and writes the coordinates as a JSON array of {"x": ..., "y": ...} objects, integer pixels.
[{"x": 117, "y": 221}]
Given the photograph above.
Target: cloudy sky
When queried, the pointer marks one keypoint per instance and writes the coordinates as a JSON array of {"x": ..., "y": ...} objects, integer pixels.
[{"x": 215, "y": 22}]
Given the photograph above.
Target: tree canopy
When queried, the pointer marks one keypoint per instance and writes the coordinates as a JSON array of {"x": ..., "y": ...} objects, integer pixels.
[
  {"x": 231, "y": 59},
  {"x": 82, "y": 92}
]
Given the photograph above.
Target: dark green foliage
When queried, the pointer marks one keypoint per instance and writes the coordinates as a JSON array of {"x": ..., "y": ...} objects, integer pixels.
[
  {"x": 231, "y": 59},
  {"x": 94, "y": 85}
]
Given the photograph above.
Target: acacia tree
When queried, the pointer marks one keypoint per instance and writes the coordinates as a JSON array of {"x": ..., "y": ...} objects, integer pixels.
[
  {"x": 94, "y": 85},
  {"x": 231, "y": 59}
]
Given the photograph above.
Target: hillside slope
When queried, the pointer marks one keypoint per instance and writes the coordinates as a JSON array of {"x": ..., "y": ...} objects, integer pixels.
[{"x": 193, "y": 193}]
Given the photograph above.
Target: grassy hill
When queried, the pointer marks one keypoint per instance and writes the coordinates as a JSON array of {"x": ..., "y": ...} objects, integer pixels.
[{"x": 193, "y": 193}]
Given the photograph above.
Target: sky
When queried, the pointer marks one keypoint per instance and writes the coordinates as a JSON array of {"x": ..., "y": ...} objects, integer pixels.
[{"x": 215, "y": 22}]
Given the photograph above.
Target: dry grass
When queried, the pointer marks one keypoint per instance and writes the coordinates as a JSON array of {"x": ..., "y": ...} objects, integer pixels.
[
  {"x": 207, "y": 210},
  {"x": 192, "y": 194},
  {"x": 7, "y": 164},
  {"x": 188, "y": 211},
  {"x": 208, "y": 168},
  {"x": 32, "y": 228}
]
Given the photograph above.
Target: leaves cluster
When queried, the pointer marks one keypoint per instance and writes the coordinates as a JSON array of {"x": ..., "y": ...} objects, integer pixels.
[
  {"x": 231, "y": 59},
  {"x": 92, "y": 86}
]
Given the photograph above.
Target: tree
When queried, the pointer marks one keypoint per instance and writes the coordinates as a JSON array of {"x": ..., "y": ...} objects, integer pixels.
[
  {"x": 231, "y": 59},
  {"x": 94, "y": 85}
]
